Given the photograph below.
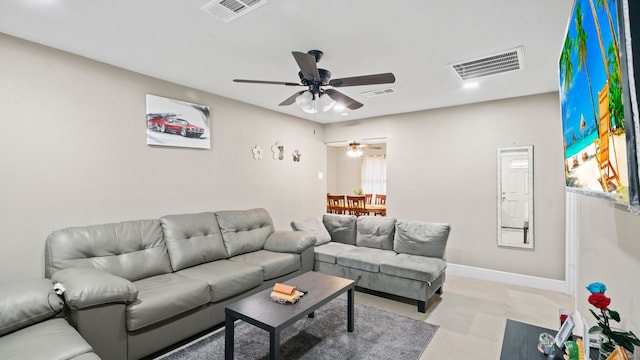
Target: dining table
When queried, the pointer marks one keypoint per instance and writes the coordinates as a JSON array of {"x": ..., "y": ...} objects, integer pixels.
[
  {"x": 376, "y": 209},
  {"x": 372, "y": 209}
]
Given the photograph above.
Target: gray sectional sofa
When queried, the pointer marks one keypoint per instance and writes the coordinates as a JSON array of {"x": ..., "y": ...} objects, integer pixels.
[
  {"x": 31, "y": 326},
  {"x": 400, "y": 257},
  {"x": 136, "y": 287}
]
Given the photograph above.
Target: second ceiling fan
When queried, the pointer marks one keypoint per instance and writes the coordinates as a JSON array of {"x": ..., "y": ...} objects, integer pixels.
[
  {"x": 354, "y": 145},
  {"x": 316, "y": 79}
]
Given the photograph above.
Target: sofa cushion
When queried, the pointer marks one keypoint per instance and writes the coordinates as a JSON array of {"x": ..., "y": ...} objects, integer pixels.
[
  {"x": 193, "y": 239},
  {"x": 273, "y": 264},
  {"x": 341, "y": 227},
  {"x": 421, "y": 238},
  {"x": 26, "y": 302},
  {"x": 49, "y": 340},
  {"x": 225, "y": 278},
  {"x": 364, "y": 258},
  {"x": 313, "y": 226},
  {"x": 328, "y": 252},
  {"x": 132, "y": 249},
  {"x": 244, "y": 231},
  {"x": 164, "y": 296},
  {"x": 414, "y": 267},
  {"x": 375, "y": 232}
]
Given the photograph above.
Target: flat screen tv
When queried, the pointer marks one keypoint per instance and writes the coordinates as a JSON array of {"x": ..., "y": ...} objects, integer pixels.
[{"x": 596, "y": 93}]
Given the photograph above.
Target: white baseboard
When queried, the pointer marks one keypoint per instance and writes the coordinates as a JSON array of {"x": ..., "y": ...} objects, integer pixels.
[{"x": 506, "y": 277}]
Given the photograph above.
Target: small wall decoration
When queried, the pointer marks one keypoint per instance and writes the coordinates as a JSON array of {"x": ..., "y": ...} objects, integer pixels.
[
  {"x": 177, "y": 123},
  {"x": 257, "y": 152},
  {"x": 278, "y": 151},
  {"x": 296, "y": 155}
]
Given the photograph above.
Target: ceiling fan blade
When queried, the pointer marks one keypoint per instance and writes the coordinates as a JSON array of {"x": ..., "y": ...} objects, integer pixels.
[
  {"x": 343, "y": 99},
  {"x": 267, "y": 82},
  {"x": 386, "y": 78},
  {"x": 290, "y": 100},
  {"x": 307, "y": 64},
  {"x": 370, "y": 147}
]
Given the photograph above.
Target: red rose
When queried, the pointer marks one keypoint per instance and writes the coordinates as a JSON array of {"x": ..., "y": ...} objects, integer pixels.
[{"x": 599, "y": 300}]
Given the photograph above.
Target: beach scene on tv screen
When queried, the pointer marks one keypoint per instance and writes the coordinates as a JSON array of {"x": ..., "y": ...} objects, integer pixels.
[{"x": 593, "y": 123}]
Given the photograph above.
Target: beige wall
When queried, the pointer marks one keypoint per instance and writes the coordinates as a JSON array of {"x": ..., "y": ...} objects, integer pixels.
[
  {"x": 74, "y": 153},
  {"x": 609, "y": 252},
  {"x": 441, "y": 166}
]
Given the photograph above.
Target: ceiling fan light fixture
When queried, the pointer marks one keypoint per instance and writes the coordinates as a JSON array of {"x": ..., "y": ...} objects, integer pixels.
[
  {"x": 354, "y": 152},
  {"x": 326, "y": 102},
  {"x": 304, "y": 99},
  {"x": 310, "y": 109},
  {"x": 307, "y": 102}
]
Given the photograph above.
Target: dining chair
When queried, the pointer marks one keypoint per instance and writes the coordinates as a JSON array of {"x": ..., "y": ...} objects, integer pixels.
[
  {"x": 335, "y": 204},
  {"x": 381, "y": 201},
  {"x": 356, "y": 205},
  {"x": 368, "y": 198}
]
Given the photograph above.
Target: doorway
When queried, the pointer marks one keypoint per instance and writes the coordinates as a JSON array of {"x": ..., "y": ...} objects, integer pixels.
[{"x": 344, "y": 172}]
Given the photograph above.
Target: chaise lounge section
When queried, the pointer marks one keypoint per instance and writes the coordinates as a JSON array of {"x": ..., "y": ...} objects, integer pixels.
[
  {"x": 136, "y": 287},
  {"x": 399, "y": 257}
]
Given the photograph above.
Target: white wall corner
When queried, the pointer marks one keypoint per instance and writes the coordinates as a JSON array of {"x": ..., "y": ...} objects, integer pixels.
[{"x": 506, "y": 277}]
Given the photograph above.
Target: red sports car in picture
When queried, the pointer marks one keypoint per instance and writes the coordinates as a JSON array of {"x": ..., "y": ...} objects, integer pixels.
[
  {"x": 155, "y": 121},
  {"x": 174, "y": 125}
]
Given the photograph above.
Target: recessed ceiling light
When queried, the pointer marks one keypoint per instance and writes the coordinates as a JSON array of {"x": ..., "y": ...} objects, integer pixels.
[{"x": 471, "y": 85}]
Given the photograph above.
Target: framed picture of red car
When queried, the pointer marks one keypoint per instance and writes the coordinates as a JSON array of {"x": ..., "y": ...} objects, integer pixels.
[{"x": 177, "y": 123}]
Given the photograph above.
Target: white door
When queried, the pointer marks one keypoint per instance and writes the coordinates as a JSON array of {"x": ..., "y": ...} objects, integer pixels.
[{"x": 515, "y": 196}]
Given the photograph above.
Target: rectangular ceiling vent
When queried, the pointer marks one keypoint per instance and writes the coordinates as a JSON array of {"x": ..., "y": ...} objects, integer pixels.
[
  {"x": 380, "y": 92},
  {"x": 229, "y": 10},
  {"x": 490, "y": 65}
]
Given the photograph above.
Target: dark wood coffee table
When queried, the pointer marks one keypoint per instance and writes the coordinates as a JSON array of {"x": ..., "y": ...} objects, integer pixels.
[{"x": 260, "y": 311}]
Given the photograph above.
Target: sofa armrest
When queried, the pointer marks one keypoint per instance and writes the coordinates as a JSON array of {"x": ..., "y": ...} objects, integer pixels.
[
  {"x": 85, "y": 287},
  {"x": 27, "y": 302},
  {"x": 289, "y": 241}
]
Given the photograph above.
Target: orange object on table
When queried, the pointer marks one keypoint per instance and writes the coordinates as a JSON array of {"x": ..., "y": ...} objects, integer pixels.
[{"x": 284, "y": 289}]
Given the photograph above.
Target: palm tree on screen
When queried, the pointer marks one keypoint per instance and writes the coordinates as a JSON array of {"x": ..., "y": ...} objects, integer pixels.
[
  {"x": 581, "y": 45},
  {"x": 566, "y": 65},
  {"x": 596, "y": 23},
  {"x": 605, "y": 4},
  {"x": 615, "y": 90}
]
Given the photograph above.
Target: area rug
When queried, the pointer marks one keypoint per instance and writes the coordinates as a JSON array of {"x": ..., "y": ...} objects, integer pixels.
[{"x": 378, "y": 335}]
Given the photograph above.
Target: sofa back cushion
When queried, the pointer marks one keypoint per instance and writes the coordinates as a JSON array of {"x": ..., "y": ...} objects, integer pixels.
[
  {"x": 27, "y": 302},
  {"x": 375, "y": 232},
  {"x": 342, "y": 228},
  {"x": 421, "y": 238},
  {"x": 133, "y": 249},
  {"x": 313, "y": 226},
  {"x": 244, "y": 231},
  {"x": 192, "y": 239}
]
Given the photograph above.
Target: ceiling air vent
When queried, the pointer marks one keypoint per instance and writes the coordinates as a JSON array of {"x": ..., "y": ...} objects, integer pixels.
[
  {"x": 229, "y": 10},
  {"x": 490, "y": 65},
  {"x": 379, "y": 92}
]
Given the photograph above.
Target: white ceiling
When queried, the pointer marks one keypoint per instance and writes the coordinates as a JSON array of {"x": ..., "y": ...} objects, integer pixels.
[{"x": 175, "y": 41}]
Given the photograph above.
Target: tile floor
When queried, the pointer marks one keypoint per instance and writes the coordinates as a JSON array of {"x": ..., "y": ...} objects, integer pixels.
[{"x": 472, "y": 315}]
